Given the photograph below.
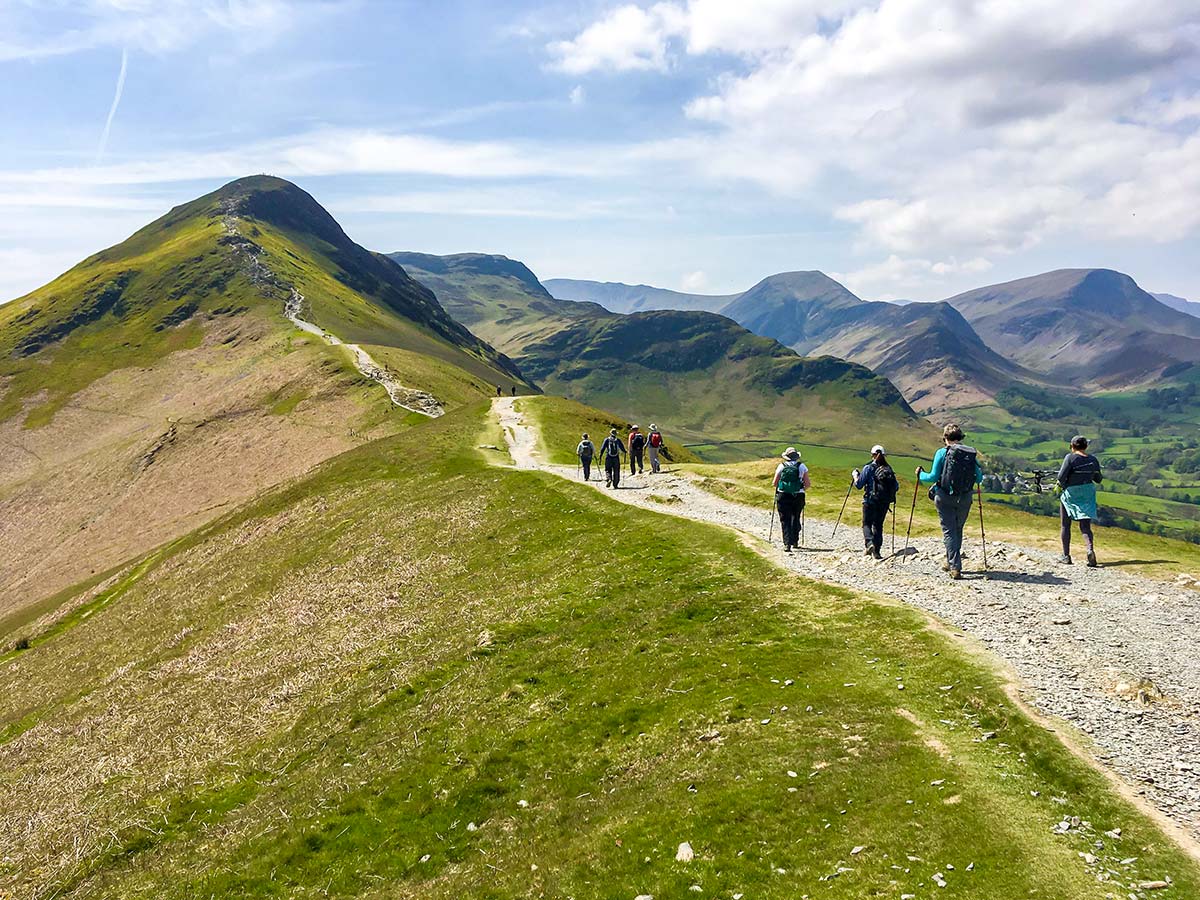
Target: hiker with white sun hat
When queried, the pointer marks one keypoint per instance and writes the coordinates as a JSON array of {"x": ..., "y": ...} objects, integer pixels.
[{"x": 790, "y": 482}]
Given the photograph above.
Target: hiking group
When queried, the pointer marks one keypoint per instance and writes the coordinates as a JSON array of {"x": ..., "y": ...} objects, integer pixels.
[
  {"x": 954, "y": 478},
  {"x": 640, "y": 446}
]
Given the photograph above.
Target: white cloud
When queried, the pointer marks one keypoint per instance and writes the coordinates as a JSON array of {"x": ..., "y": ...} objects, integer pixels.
[
  {"x": 627, "y": 38},
  {"x": 694, "y": 282},
  {"x": 962, "y": 130},
  {"x": 897, "y": 278},
  {"x": 577, "y": 95}
]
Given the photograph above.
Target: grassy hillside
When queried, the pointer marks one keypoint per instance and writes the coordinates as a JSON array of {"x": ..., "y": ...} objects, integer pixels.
[
  {"x": 561, "y": 423},
  {"x": 380, "y": 682},
  {"x": 496, "y": 297},
  {"x": 158, "y": 383},
  {"x": 702, "y": 377}
]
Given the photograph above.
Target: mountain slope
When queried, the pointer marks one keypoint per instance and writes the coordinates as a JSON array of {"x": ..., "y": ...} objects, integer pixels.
[
  {"x": 334, "y": 692},
  {"x": 1191, "y": 307},
  {"x": 498, "y": 298},
  {"x": 704, "y": 375},
  {"x": 159, "y": 381},
  {"x": 690, "y": 371},
  {"x": 795, "y": 308},
  {"x": 1094, "y": 328},
  {"x": 626, "y": 298}
]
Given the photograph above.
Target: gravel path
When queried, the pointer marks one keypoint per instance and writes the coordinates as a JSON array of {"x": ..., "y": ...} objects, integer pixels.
[{"x": 1077, "y": 638}]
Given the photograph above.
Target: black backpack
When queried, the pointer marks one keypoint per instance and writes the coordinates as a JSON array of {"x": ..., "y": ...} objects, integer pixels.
[
  {"x": 958, "y": 469},
  {"x": 637, "y": 442},
  {"x": 586, "y": 449},
  {"x": 884, "y": 487}
]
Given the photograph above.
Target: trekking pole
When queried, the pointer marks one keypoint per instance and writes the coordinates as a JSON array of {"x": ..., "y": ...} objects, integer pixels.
[
  {"x": 839, "y": 518},
  {"x": 982, "y": 532},
  {"x": 893, "y": 529},
  {"x": 771, "y": 529},
  {"x": 801, "y": 529},
  {"x": 908, "y": 534}
]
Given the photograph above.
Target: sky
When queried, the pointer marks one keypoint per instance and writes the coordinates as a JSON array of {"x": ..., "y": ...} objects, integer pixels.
[{"x": 910, "y": 148}]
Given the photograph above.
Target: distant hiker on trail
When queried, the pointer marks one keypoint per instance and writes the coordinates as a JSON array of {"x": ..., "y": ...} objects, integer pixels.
[
  {"x": 637, "y": 443},
  {"x": 878, "y": 483},
  {"x": 654, "y": 443},
  {"x": 585, "y": 451},
  {"x": 514, "y": 390},
  {"x": 611, "y": 450},
  {"x": 955, "y": 473},
  {"x": 498, "y": 391},
  {"x": 1077, "y": 480},
  {"x": 791, "y": 481}
]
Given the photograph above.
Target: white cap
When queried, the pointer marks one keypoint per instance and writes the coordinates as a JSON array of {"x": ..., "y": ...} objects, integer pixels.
[{"x": 878, "y": 448}]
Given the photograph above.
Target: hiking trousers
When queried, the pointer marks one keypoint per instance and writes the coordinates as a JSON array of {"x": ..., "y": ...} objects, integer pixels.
[
  {"x": 612, "y": 470},
  {"x": 953, "y": 511},
  {"x": 635, "y": 460},
  {"x": 586, "y": 462},
  {"x": 1085, "y": 528},
  {"x": 874, "y": 519},
  {"x": 789, "y": 507},
  {"x": 653, "y": 451}
]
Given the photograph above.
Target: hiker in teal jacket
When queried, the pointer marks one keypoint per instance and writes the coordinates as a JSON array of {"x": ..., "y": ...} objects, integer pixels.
[
  {"x": 1077, "y": 480},
  {"x": 951, "y": 493}
]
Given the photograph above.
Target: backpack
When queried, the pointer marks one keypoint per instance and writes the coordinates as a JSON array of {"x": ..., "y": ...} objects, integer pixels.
[
  {"x": 958, "y": 469},
  {"x": 586, "y": 449},
  {"x": 637, "y": 442},
  {"x": 790, "y": 479},
  {"x": 655, "y": 439},
  {"x": 885, "y": 487},
  {"x": 611, "y": 447}
]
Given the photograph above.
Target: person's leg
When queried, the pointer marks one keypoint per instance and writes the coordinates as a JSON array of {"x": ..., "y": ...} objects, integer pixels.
[
  {"x": 1064, "y": 530},
  {"x": 946, "y": 518},
  {"x": 587, "y": 469},
  {"x": 879, "y": 513},
  {"x": 786, "y": 505},
  {"x": 1085, "y": 528},
  {"x": 616, "y": 471},
  {"x": 962, "y": 516},
  {"x": 867, "y": 519},
  {"x": 653, "y": 459},
  {"x": 798, "y": 500}
]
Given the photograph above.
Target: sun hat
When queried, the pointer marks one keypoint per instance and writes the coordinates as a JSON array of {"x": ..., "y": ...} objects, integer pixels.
[
  {"x": 612, "y": 431},
  {"x": 633, "y": 428},
  {"x": 790, "y": 453},
  {"x": 653, "y": 427},
  {"x": 878, "y": 448}
]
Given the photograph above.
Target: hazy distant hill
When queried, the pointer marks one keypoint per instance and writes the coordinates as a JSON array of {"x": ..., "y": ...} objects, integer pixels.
[
  {"x": 1084, "y": 327},
  {"x": 626, "y": 298},
  {"x": 159, "y": 382},
  {"x": 1191, "y": 307}
]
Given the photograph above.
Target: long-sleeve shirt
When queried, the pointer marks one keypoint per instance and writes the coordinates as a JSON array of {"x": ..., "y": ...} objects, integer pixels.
[
  {"x": 585, "y": 450},
  {"x": 865, "y": 481},
  {"x": 612, "y": 446},
  {"x": 939, "y": 461},
  {"x": 1079, "y": 468}
]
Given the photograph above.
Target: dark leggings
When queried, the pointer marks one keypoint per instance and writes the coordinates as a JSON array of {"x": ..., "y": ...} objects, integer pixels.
[{"x": 1085, "y": 528}]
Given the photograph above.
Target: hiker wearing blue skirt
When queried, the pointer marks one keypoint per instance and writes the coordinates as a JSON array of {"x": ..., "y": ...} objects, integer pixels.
[{"x": 1077, "y": 480}]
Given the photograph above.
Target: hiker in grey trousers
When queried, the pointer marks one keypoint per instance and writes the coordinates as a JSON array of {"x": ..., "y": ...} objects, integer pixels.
[{"x": 953, "y": 506}]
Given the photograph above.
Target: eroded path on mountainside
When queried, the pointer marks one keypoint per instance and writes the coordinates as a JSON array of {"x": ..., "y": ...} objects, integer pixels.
[
  {"x": 412, "y": 399},
  {"x": 1077, "y": 639}
]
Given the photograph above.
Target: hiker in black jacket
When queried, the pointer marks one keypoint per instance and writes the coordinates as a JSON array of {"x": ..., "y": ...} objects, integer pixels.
[
  {"x": 611, "y": 450},
  {"x": 878, "y": 483},
  {"x": 637, "y": 446}
]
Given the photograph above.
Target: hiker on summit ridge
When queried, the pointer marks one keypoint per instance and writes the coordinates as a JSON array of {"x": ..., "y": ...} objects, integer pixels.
[
  {"x": 790, "y": 482},
  {"x": 611, "y": 450},
  {"x": 637, "y": 444},
  {"x": 955, "y": 473},
  {"x": 654, "y": 444},
  {"x": 585, "y": 451},
  {"x": 878, "y": 483},
  {"x": 1077, "y": 480}
]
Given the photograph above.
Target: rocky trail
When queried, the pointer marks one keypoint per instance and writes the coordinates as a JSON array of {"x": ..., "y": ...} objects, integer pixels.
[
  {"x": 412, "y": 399},
  {"x": 1113, "y": 654}
]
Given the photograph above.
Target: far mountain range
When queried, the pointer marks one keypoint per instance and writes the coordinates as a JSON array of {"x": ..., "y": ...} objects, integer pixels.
[{"x": 1070, "y": 329}]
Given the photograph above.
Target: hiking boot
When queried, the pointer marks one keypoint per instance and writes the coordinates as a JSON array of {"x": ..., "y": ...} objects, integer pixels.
[
  {"x": 1065, "y": 560},
  {"x": 955, "y": 575},
  {"x": 869, "y": 551},
  {"x": 945, "y": 565},
  {"x": 1092, "y": 564},
  {"x": 875, "y": 554},
  {"x": 787, "y": 548}
]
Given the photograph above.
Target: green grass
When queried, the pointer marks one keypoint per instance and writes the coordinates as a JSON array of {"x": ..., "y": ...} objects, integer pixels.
[
  {"x": 562, "y": 423},
  {"x": 316, "y": 695}
]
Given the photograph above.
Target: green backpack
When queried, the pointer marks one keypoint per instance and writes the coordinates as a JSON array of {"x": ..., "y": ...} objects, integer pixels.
[{"x": 790, "y": 480}]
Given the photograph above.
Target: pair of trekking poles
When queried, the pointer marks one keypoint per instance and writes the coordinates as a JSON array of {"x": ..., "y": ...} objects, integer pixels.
[{"x": 908, "y": 531}]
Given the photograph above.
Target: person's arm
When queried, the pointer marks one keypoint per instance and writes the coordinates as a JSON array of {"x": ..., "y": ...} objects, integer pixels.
[
  {"x": 1064, "y": 471},
  {"x": 863, "y": 477},
  {"x": 806, "y": 480},
  {"x": 621, "y": 447},
  {"x": 935, "y": 474},
  {"x": 778, "y": 473},
  {"x": 1098, "y": 477}
]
